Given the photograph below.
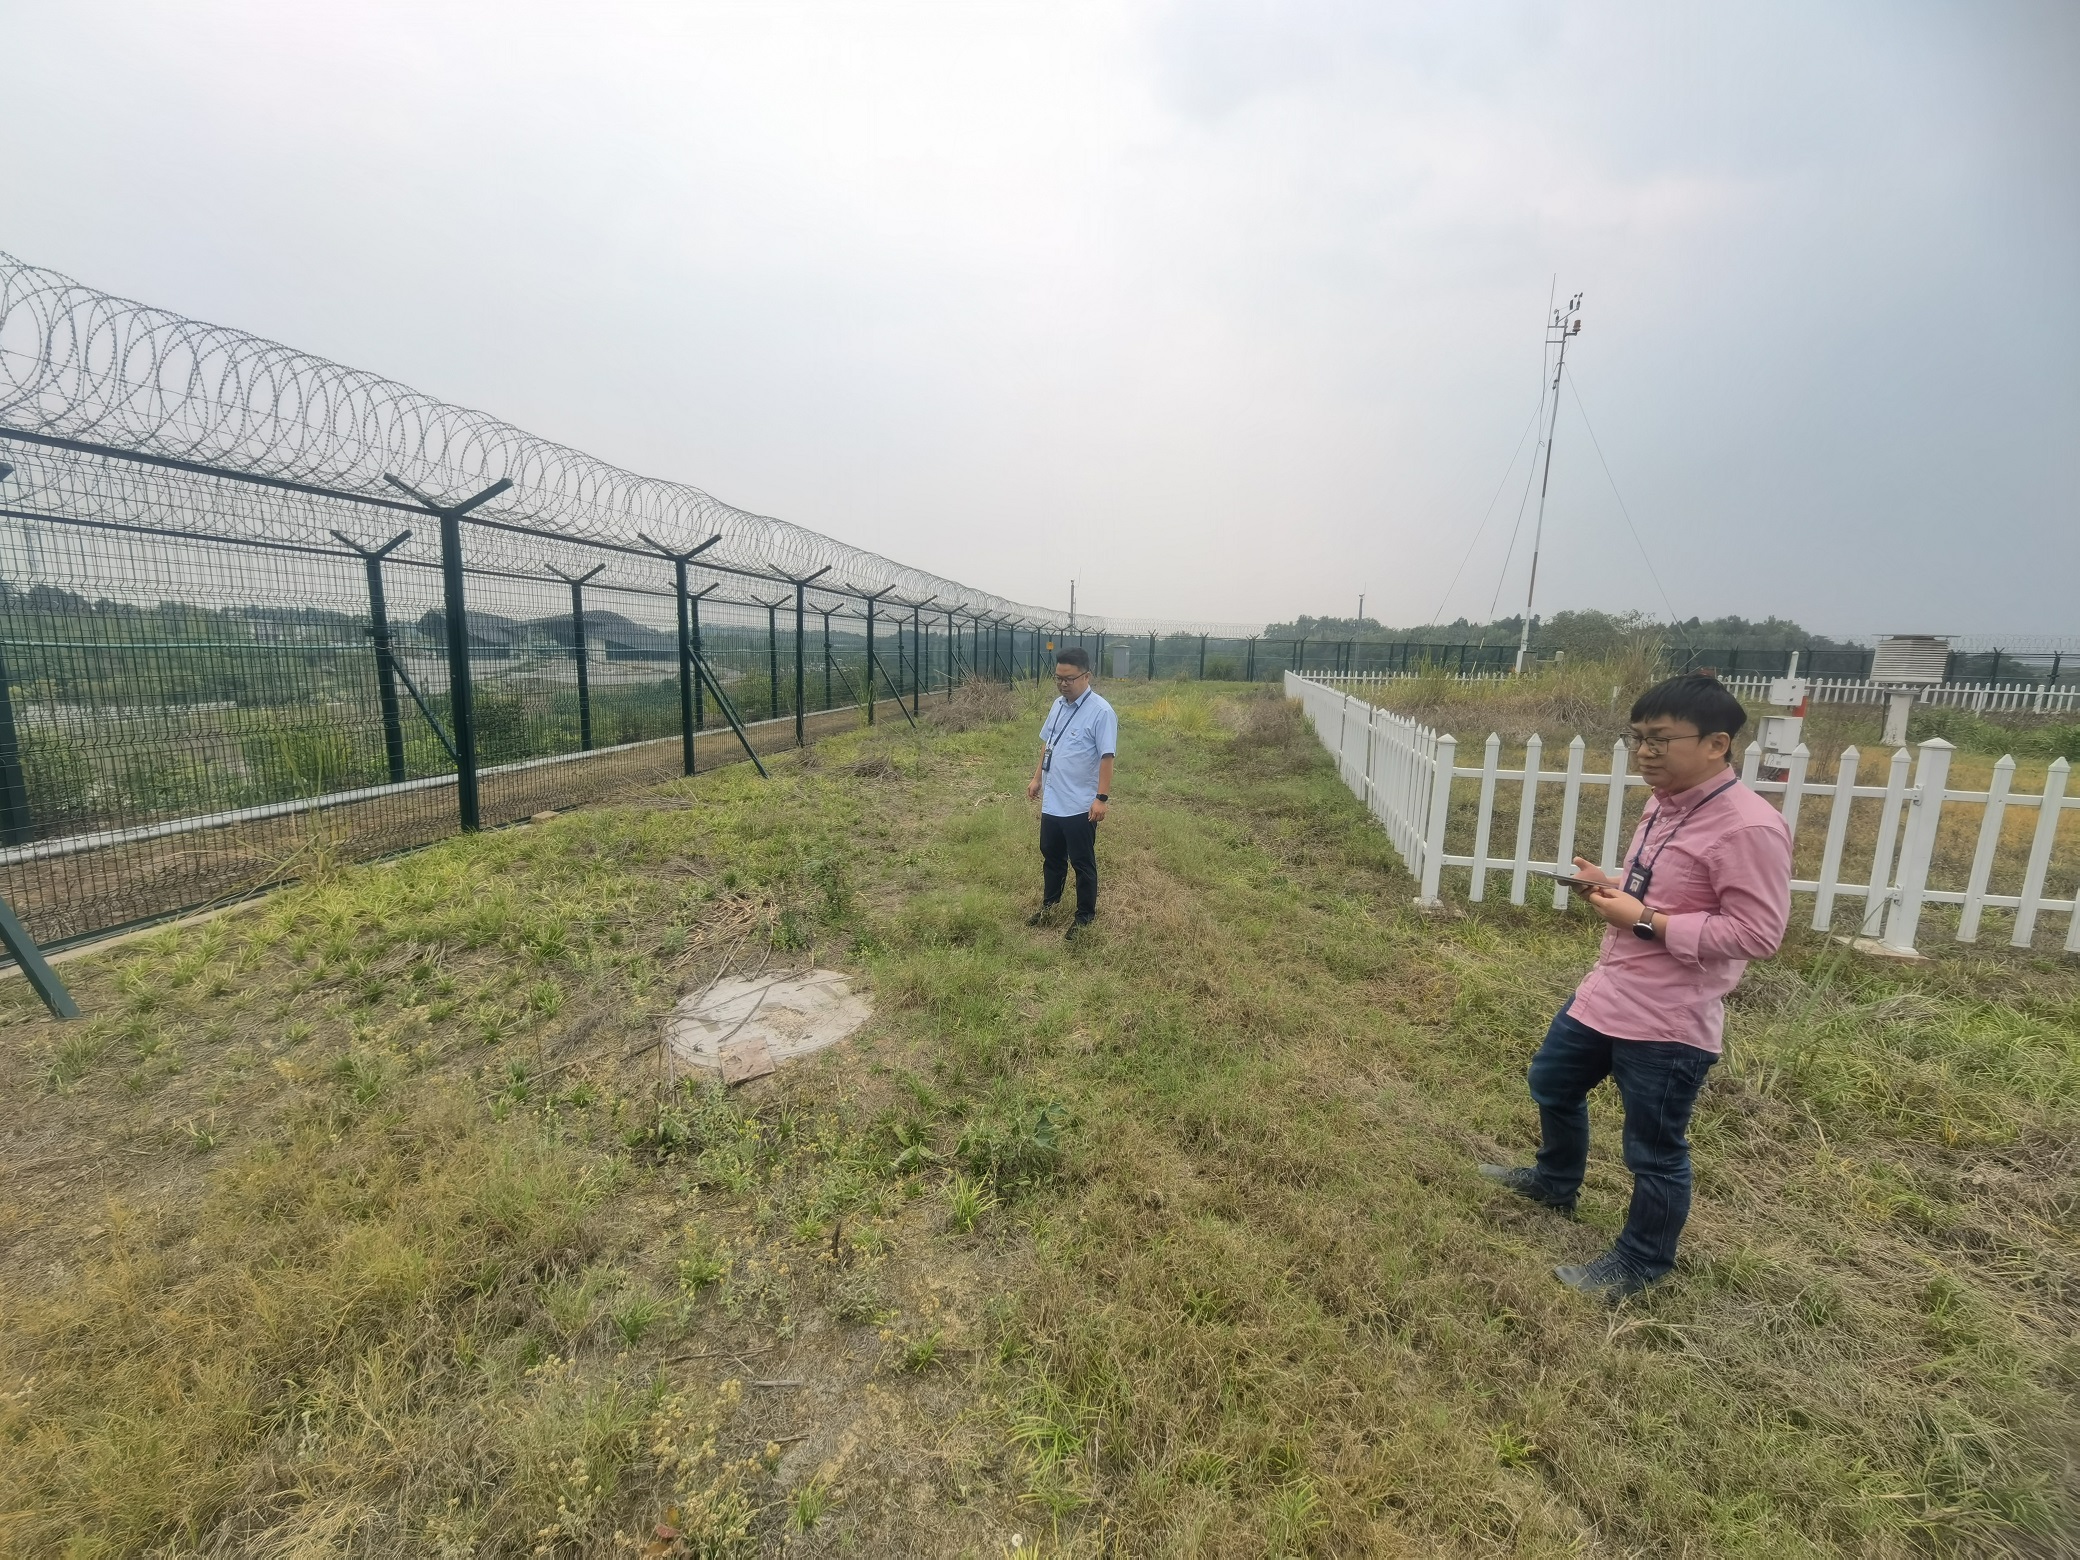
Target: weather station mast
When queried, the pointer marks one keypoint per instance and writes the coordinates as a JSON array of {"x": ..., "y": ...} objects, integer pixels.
[{"x": 1565, "y": 322}]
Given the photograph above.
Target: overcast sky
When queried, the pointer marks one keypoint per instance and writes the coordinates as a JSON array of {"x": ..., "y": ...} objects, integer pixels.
[{"x": 1229, "y": 310}]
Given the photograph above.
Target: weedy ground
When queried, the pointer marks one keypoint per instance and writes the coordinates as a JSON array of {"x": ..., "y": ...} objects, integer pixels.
[{"x": 367, "y": 1222}]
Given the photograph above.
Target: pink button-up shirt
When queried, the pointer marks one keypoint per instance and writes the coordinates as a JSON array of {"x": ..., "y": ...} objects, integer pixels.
[{"x": 1722, "y": 874}]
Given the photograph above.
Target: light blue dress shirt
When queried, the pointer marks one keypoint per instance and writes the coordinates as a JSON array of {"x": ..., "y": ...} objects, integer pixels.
[{"x": 1076, "y": 736}]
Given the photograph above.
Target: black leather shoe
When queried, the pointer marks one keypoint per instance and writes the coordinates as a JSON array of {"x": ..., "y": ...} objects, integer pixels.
[
  {"x": 1077, "y": 928},
  {"x": 1610, "y": 1277},
  {"x": 1041, "y": 916},
  {"x": 1526, "y": 1184}
]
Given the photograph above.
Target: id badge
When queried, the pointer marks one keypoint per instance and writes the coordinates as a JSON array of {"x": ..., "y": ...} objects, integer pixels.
[
  {"x": 1637, "y": 879},
  {"x": 1046, "y": 760}
]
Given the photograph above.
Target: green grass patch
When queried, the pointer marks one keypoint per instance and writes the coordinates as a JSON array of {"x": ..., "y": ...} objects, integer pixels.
[{"x": 1167, "y": 1244}]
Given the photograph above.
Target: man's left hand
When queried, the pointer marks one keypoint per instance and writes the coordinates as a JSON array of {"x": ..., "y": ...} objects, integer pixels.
[
  {"x": 1097, "y": 813},
  {"x": 1615, "y": 906}
]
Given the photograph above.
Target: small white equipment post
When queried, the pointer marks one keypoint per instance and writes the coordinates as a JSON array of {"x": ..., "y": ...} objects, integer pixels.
[
  {"x": 1780, "y": 730},
  {"x": 1904, "y": 663}
]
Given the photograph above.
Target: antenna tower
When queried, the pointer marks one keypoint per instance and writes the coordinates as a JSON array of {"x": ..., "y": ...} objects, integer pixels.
[{"x": 1565, "y": 322}]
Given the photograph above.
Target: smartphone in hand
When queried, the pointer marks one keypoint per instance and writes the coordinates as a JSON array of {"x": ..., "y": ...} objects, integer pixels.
[{"x": 1569, "y": 880}]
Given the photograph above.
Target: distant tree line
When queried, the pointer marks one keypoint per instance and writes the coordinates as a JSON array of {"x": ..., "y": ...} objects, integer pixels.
[{"x": 1578, "y": 633}]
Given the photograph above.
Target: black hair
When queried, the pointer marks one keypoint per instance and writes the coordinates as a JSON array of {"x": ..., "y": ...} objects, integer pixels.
[
  {"x": 1700, "y": 699},
  {"x": 1073, "y": 656}
]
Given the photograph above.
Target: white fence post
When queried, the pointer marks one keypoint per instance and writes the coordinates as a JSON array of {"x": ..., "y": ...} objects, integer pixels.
[
  {"x": 1527, "y": 813},
  {"x": 1795, "y": 788},
  {"x": 1444, "y": 756},
  {"x": 1930, "y": 776},
  {"x": 1570, "y": 803},
  {"x": 1879, "y": 894},
  {"x": 1837, "y": 832},
  {"x": 1614, "y": 805},
  {"x": 2052, "y": 804},
  {"x": 1982, "y": 857},
  {"x": 1490, "y": 760}
]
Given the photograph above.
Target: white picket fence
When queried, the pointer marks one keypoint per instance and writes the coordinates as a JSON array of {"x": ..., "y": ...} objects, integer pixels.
[
  {"x": 1405, "y": 773},
  {"x": 2014, "y": 698}
]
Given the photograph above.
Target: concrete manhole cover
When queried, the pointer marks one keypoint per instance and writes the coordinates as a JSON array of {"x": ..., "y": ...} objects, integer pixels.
[{"x": 746, "y": 1026}]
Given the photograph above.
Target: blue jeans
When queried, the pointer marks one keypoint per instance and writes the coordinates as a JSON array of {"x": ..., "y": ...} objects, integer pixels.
[{"x": 1658, "y": 1081}]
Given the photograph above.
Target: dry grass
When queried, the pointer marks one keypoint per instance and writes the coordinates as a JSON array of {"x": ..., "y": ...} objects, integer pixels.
[
  {"x": 973, "y": 705},
  {"x": 351, "y": 1224}
]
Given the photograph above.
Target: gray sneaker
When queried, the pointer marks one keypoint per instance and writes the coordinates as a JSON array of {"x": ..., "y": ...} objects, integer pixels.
[
  {"x": 1610, "y": 1277},
  {"x": 1525, "y": 1183}
]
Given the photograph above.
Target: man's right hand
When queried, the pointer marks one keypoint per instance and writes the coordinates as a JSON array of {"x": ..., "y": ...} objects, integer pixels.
[{"x": 1033, "y": 789}]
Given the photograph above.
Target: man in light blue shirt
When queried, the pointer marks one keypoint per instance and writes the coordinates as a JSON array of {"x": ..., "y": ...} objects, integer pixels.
[{"x": 1072, "y": 783}]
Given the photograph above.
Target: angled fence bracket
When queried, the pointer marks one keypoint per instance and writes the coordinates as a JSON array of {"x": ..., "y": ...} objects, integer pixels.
[
  {"x": 42, "y": 977},
  {"x": 455, "y": 615}
]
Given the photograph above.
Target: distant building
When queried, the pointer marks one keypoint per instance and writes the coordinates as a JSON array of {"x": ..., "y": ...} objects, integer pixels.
[{"x": 613, "y": 637}]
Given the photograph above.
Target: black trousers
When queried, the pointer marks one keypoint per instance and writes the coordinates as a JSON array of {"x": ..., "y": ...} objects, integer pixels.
[{"x": 1066, "y": 843}]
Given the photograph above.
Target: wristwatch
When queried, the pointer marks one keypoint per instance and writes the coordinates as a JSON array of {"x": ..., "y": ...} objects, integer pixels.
[
  {"x": 1643, "y": 928},
  {"x": 1103, "y": 797}
]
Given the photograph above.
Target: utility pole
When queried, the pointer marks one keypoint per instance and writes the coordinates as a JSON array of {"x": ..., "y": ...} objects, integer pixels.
[
  {"x": 1072, "y": 606},
  {"x": 1566, "y": 322},
  {"x": 1361, "y": 609}
]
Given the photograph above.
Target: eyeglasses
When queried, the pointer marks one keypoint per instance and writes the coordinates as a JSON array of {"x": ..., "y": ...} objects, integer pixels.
[
  {"x": 1072, "y": 677},
  {"x": 1659, "y": 745}
]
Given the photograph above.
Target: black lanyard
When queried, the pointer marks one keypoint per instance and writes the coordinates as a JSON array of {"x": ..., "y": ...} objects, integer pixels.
[
  {"x": 1637, "y": 877},
  {"x": 1076, "y": 709}
]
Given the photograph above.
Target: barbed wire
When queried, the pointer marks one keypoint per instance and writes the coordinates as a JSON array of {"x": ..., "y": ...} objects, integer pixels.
[{"x": 94, "y": 369}]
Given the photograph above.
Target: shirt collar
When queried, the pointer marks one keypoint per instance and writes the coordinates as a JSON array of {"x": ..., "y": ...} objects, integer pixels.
[{"x": 1683, "y": 801}]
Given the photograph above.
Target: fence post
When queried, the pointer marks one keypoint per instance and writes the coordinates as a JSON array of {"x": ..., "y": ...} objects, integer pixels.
[
  {"x": 578, "y": 650},
  {"x": 584, "y": 672},
  {"x": 1982, "y": 857},
  {"x": 455, "y": 613},
  {"x": 1250, "y": 659},
  {"x": 1527, "y": 816},
  {"x": 2048, "y": 809},
  {"x": 917, "y": 657},
  {"x": 386, "y": 655},
  {"x": 29, "y": 959},
  {"x": 462, "y": 714},
  {"x": 801, "y": 692},
  {"x": 691, "y": 715},
  {"x": 870, "y": 658},
  {"x": 1202, "y": 658},
  {"x": 1151, "y": 657},
  {"x": 16, "y": 825},
  {"x": 700, "y": 698},
  {"x": 1837, "y": 834},
  {"x": 1444, "y": 754},
  {"x": 952, "y": 639},
  {"x": 773, "y": 658},
  {"x": 1930, "y": 776},
  {"x": 687, "y": 673},
  {"x": 801, "y": 605}
]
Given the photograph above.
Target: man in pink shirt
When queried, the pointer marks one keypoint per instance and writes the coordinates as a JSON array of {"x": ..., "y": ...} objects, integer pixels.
[{"x": 1706, "y": 886}]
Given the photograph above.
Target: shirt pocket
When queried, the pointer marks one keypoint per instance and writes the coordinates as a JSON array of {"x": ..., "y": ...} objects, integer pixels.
[{"x": 1682, "y": 880}]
